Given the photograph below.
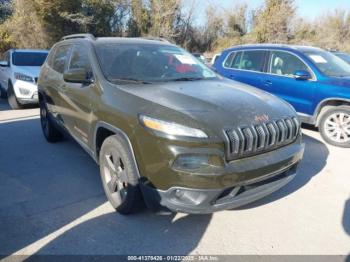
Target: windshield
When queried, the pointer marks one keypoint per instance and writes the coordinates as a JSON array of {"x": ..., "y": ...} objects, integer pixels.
[
  {"x": 149, "y": 63},
  {"x": 28, "y": 58},
  {"x": 329, "y": 64},
  {"x": 344, "y": 56}
]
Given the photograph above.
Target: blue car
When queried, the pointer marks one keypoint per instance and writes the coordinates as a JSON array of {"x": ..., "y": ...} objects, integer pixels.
[{"x": 315, "y": 82}]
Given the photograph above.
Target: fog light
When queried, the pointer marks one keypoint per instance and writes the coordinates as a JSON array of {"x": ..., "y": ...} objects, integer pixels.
[
  {"x": 24, "y": 91},
  {"x": 193, "y": 162}
]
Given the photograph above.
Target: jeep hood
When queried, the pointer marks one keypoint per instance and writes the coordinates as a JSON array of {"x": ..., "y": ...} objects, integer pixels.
[{"x": 212, "y": 103}]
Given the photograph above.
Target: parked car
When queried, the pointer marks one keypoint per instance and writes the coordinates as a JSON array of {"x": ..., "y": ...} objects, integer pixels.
[
  {"x": 165, "y": 126},
  {"x": 200, "y": 57},
  {"x": 214, "y": 58},
  {"x": 19, "y": 71},
  {"x": 315, "y": 82},
  {"x": 344, "y": 56}
]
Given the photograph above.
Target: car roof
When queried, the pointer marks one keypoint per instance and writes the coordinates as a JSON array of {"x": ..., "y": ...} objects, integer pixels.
[
  {"x": 121, "y": 40},
  {"x": 131, "y": 40},
  {"x": 277, "y": 46}
]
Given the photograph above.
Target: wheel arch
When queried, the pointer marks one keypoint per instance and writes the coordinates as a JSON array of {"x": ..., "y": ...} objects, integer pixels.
[
  {"x": 104, "y": 130},
  {"x": 327, "y": 103}
]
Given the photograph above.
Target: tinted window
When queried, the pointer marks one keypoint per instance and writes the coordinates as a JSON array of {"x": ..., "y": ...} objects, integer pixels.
[
  {"x": 286, "y": 64},
  {"x": 249, "y": 60},
  {"x": 343, "y": 56},
  {"x": 329, "y": 64},
  {"x": 149, "y": 62},
  {"x": 80, "y": 58},
  {"x": 60, "y": 58},
  {"x": 28, "y": 58},
  {"x": 228, "y": 61},
  {"x": 236, "y": 62}
]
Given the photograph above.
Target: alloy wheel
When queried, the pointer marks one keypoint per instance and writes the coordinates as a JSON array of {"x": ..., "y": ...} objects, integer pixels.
[
  {"x": 337, "y": 127},
  {"x": 115, "y": 176}
]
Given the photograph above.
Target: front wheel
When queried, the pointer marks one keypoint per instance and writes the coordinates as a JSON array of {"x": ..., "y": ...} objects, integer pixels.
[
  {"x": 3, "y": 93},
  {"x": 335, "y": 126},
  {"x": 51, "y": 133},
  {"x": 119, "y": 175},
  {"x": 12, "y": 99}
]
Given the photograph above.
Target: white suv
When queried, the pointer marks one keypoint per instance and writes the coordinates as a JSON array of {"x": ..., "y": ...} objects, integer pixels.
[{"x": 19, "y": 71}]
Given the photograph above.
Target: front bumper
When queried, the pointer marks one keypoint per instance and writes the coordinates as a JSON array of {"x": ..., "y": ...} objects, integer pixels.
[
  {"x": 26, "y": 92},
  {"x": 245, "y": 181},
  {"x": 197, "y": 201}
]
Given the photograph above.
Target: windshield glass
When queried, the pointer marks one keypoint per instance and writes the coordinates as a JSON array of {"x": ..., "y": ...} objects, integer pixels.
[
  {"x": 344, "y": 56},
  {"x": 149, "y": 63},
  {"x": 329, "y": 64},
  {"x": 28, "y": 58}
]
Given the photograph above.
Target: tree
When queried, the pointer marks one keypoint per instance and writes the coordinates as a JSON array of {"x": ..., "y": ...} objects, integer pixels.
[
  {"x": 22, "y": 29},
  {"x": 272, "y": 21},
  {"x": 5, "y": 10},
  {"x": 163, "y": 15}
]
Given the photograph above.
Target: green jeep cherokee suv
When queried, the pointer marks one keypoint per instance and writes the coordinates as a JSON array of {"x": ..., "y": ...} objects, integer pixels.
[{"x": 164, "y": 127}]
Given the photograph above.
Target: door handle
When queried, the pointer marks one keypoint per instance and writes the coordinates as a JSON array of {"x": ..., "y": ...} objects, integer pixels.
[{"x": 268, "y": 83}]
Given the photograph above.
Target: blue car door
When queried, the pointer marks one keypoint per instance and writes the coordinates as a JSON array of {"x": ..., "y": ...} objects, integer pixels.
[
  {"x": 246, "y": 67},
  {"x": 281, "y": 82}
]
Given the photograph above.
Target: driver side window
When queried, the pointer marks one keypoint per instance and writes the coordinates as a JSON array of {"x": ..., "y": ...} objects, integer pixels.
[
  {"x": 80, "y": 59},
  {"x": 285, "y": 64}
]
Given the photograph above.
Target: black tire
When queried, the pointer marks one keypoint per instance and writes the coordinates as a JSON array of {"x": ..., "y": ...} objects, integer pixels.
[
  {"x": 12, "y": 99},
  {"x": 3, "y": 93},
  {"x": 335, "y": 121},
  {"x": 119, "y": 175},
  {"x": 51, "y": 133}
]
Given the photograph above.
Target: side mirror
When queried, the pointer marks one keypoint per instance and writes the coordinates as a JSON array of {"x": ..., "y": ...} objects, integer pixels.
[
  {"x": 302, "y": 75},
  {"x": 79, "y": 76},
  {"x": 4, "y": 64}
]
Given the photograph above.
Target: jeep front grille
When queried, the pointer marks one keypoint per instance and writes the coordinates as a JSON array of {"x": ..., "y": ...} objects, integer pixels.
[{"x": 252, "y": 140}]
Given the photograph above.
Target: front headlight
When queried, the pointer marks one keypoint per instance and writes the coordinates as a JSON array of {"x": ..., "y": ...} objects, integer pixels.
[
  {"x": 171, "y": 128},
  {"x": 23, "y": 77}
]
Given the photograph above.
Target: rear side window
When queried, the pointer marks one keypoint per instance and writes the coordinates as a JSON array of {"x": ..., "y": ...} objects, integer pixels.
[
  {"x": 60, "y": 58},
  {"x": 80, "y": 58},
  {"x": 248, "y": 60},
  {"x": 286, "y": 64},
  {"x": 228, "y": 60}
]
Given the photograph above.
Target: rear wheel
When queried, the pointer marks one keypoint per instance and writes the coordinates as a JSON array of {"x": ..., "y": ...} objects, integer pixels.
[
  {"x": 12, "y": 99},
  {"x": 335, "y": 126},
  {"x": 51, "y": 133},
  {"x": 119, "y": 175}
]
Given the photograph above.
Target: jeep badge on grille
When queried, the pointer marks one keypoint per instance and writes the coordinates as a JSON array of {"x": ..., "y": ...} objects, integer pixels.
[{"x": 262, "y": 118}]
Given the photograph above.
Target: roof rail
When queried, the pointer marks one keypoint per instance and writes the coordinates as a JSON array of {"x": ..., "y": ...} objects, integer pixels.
[{"x": 74, "y": 36}]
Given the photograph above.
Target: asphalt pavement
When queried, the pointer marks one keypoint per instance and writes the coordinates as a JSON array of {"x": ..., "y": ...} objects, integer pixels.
[{"x": 52, "y": 202}]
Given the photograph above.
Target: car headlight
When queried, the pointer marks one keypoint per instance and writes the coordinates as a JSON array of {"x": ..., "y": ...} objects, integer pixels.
[
  {"x": 23, "y": 77},
  {"x": 171, "y": 128}
]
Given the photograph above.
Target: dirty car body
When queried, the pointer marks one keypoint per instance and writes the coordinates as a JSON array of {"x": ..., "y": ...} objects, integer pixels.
[{"x": 226, "y": 143}]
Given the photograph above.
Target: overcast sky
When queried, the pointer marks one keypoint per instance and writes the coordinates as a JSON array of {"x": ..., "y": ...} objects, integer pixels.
[{"x": 308, "y": 9}]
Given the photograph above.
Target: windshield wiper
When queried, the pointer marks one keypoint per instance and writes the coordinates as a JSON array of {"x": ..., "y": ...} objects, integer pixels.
[
  {"x": 134, "y": 80},
  {"x": 187, "y": 79}
]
